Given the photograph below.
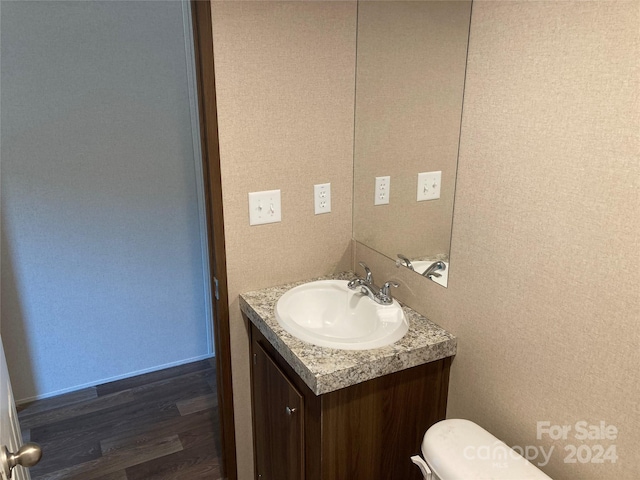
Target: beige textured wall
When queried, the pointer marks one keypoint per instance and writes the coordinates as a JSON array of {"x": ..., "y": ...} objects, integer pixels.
[
  {"x": 410, "y": 79},
  {"x": 285, "y": 87},
  {"x": 544, "y": 284}
]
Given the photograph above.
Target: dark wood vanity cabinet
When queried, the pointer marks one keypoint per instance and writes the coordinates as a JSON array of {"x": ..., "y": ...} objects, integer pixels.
[
  {"x": 367, "y": 431},
  {"x": 279, "y": 435}
]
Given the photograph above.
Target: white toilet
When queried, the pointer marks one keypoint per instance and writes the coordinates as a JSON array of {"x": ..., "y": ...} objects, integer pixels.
[{"x": 461, "y": 450}]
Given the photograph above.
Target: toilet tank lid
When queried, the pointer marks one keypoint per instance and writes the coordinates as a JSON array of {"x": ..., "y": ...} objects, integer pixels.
[{"x": 457, "y": 449}]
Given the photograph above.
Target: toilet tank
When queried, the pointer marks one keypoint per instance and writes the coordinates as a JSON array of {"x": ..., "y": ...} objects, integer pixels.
[{"x": 461, "y": 450}]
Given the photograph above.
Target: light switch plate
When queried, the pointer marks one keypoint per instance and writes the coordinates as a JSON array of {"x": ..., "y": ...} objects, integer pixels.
[
  {"x": 429, "y": 185},
  {"x": 264, "y": 207},
  {"x": 322, "y": 198},
  {"x": 382, "y": 188}
]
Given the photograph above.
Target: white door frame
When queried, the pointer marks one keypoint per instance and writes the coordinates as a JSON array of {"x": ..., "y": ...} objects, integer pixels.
[{"x": 197, "y": 155}]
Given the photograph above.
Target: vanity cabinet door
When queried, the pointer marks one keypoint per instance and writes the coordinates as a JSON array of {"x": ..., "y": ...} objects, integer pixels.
[{"x": 278, "y": 409}]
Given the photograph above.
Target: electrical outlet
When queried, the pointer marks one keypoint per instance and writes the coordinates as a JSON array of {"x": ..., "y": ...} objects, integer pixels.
[
  {"x": 429, "y": 185},
  {"x": 264, "y": 207},
  {"x": 322, "y": 198},
  {"x": 383, "y": 185}
]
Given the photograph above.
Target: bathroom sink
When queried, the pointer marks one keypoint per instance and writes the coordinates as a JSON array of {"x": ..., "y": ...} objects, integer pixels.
[{"x": 328, "y": 314}]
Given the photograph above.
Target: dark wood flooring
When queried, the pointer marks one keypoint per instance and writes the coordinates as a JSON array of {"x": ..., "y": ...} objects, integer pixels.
[{"x": 161, "y": 425}]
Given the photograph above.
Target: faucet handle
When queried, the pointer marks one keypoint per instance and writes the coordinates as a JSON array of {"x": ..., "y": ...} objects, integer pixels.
[
  {"x": 433, "y": 268},
  {"x": 369, "y": 276},
  {"x": 384, "y": 291},
  {"x": 404, "y": 261}
]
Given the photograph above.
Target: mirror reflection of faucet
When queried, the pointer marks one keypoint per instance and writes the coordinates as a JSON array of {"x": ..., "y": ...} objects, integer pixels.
[
  {"x": 404, "y": 261},
  {"x": 431, "y": 269}
]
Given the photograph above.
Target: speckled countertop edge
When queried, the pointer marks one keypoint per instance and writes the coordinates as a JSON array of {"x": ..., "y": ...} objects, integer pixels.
[{"x": 326, "y": 369}]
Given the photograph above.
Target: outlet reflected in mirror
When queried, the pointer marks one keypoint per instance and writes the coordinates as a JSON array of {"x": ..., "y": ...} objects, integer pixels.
[{"x": 410, "y": 71}]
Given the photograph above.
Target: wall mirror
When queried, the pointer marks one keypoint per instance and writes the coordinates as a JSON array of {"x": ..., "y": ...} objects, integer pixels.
[{"x": 410, "y": 71}]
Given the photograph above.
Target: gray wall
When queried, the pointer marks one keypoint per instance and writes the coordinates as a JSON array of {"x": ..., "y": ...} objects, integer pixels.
[{"x": 102, "y": 271}]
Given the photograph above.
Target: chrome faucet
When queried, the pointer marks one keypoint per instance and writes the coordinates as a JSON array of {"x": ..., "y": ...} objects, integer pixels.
[
  {"x": 368, "y": 288},
  {"x": 384, "y": 294},
  {"x": 433, "y": 269},
  {"x": 365, "y": 283},
  {"x": 404, "y": 261},
  {"x": 369, "y": 276}
]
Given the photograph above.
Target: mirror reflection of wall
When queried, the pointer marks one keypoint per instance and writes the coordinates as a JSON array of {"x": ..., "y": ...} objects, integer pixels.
[{"x": 411, "y": 59}]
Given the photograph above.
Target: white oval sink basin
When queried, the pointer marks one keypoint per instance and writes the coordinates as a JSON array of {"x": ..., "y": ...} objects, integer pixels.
[{"x": 329, "y": 314}]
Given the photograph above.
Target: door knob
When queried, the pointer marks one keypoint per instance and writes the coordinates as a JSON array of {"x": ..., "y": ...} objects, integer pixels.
[{"x": 28, "y": 455}]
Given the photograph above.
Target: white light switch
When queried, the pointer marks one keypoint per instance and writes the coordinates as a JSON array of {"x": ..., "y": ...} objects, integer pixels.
[
  {"x": 322, "y": 198},
  {"x": 429, "y": 185},
  {"x": 264, "y": 207},
  {"x": 383, "y": 185}
]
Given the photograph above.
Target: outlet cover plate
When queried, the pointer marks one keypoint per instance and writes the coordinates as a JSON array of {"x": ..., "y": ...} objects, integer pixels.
[
  {"x": 322, "y": 198},
  {"x": 382, "y": 188},
  {"x": 264, "y": 207}
]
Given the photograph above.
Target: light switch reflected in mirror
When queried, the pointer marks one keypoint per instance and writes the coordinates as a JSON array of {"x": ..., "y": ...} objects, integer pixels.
[{"x": 410, "y": 71}]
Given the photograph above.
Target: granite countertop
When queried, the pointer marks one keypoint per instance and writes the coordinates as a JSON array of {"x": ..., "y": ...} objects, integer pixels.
[{"x": 326, "y": 369}]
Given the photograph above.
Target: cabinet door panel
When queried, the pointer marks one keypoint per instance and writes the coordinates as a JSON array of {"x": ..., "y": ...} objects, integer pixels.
[
  {"x": 278, "y": 421},
  {"x": 371, "y": 430}
]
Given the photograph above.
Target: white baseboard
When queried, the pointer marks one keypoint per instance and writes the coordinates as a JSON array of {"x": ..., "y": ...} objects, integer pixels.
[{"x": 113, "y": 379}]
